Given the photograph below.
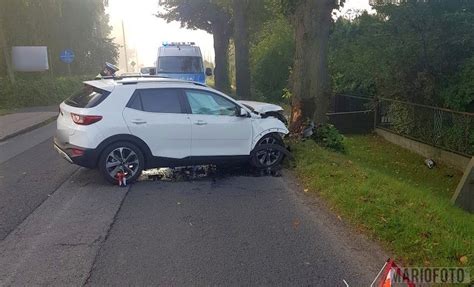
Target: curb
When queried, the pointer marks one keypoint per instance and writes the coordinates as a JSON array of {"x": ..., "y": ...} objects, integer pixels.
[{"x": 28, "y": 129}]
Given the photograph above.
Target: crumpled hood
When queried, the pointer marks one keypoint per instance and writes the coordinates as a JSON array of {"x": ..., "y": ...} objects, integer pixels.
[{"x": 261, "y": 108}]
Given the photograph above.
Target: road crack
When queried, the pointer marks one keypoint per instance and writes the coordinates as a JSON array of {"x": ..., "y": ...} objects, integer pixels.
[{"x": 101, "y": 242}]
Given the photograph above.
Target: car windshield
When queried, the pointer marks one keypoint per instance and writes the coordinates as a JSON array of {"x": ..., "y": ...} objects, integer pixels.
[{"x": 179, "y": 64}]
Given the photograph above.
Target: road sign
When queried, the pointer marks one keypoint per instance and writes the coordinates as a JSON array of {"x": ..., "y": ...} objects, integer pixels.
[{"x": 67, "y": 56}]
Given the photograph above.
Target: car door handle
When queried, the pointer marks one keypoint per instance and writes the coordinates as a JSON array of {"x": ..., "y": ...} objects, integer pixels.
[
  {"x": 200, "y": 123},
  {"x": 139, "y": 122}
]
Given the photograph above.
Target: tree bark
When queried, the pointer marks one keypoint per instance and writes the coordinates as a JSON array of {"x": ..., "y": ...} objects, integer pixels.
[
  {"x": 242, "y": 68},
  {"x": 6, "y": 52},
  {"x": 221, "y": 47},
  {"x": 310, "y": 84}
]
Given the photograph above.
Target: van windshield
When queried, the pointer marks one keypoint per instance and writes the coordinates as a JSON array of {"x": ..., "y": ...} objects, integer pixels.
[{"x": 180, "y": 64}]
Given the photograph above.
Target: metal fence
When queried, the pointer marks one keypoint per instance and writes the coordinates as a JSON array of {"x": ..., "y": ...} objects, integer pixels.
[
  {"x": 352, "y": 114},
  {"x": 443, "y": 128}
]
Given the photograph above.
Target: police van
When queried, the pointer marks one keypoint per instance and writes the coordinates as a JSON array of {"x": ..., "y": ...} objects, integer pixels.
[{"x": 181, "y": 60}]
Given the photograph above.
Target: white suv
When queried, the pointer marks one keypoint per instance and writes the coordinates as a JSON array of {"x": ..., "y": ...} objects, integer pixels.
[{"x": 139, "y": 123}]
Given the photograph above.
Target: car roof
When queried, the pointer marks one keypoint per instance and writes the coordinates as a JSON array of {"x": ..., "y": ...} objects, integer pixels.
[{"x": 108, "y": 84}]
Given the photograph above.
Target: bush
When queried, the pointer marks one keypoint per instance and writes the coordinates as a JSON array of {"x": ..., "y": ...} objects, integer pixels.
[
  {"x": 459, "y": 93},
  {"x": 37, "y": 91},
  {"x": 326, "y": 135},
  {"x": 271, "y": 59}
]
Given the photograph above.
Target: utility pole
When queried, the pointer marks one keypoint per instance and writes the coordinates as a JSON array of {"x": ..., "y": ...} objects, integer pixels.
[{"x": 125, "y": 47}]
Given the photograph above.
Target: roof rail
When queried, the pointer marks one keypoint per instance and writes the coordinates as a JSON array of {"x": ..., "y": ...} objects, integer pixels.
[
  {"x": 163, "y": 79},
  {"x": 118, "y": 78}
]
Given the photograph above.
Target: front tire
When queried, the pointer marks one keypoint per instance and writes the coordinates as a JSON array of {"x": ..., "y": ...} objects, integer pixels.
[
  {"x": 268, "y": 157},
  {"x": 121, "y": 157}
]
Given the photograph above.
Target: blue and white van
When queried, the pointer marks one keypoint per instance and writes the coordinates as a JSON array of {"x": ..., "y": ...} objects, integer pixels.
[{"x": 182, "y": 61}]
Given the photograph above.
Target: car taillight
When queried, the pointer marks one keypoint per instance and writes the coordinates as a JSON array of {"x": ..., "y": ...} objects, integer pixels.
[{"x": 85, "y": 120}]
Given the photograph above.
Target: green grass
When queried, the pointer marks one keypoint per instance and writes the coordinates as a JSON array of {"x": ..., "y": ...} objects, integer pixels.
[
  {"x": 388, "y": 193},
  {"x": 4, "y": 112}
]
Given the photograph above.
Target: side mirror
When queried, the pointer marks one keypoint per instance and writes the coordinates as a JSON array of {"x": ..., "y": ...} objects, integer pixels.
[
  {"x": 152, "y": 71},
  {"x": 208, "y": 72},
  {"x": 243, "y": 113}
]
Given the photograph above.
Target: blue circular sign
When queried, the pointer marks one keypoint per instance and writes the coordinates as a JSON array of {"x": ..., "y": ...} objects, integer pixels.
[{"x": 67, "y": 56}]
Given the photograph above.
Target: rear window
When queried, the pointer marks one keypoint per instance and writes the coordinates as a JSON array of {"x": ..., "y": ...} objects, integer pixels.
[{"x": 87, "y": 97}]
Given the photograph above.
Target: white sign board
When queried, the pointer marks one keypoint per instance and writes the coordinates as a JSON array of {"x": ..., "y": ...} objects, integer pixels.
[{"x": 30, "y": 58}]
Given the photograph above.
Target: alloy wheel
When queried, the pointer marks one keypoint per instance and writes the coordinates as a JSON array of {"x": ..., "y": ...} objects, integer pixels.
[
  {"x": 269, "y": 156},
  {"x": 124, "y": 160}
]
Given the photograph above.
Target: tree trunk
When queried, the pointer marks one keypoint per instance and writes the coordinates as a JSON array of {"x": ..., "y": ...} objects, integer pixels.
[
  {"x": 242, "y": 68},
  {"x": 221, "y": 48},
  {"x": 310, "y": 83},
  {"x": 6, "y": 52}
]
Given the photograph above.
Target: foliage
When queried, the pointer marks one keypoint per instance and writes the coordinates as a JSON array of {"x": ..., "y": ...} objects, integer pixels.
[
  {"x": 271, "y": 58},
  {"x": 198, "y": 14},
  {"x": 59, "y": 24},
  {"x": 418, "y": 51},
  {"x": 459, "y": 91},
  {"x": 327, "y": 136},
  {"x": 30, "y": 91},
  {"x": 402, "y": 118},
  {"x": 213, "y": 16},
  {"x": 387, "y": 192}
]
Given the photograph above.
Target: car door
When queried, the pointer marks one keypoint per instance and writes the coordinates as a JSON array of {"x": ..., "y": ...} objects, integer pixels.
[
  {"x": 217, "y": 130},
  {"x": 157, "y": 116}
]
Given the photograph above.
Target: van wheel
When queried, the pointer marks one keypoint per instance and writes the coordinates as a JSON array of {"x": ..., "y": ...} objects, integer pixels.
[
  {"x": 121, "y": 157},
  {"x": 268, "y": 157}
]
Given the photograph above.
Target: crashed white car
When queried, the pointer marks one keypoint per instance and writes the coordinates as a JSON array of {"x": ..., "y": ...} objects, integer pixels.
[{"x": 124, "y": 126}]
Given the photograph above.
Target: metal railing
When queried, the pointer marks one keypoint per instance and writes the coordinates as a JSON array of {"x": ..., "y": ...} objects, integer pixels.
[{"x": 443, "y": 128}]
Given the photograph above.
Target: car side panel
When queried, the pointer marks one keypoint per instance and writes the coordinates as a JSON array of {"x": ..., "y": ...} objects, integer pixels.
[{"x": 167, "y": 135}]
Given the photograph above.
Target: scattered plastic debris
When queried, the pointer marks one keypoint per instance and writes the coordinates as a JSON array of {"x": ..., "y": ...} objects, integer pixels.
[
  {"x": 430, "y": 163},
  {"x": 205, "y": 172}
]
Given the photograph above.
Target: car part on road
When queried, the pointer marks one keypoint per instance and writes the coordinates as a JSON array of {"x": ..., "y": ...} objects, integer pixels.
[{"x": 121, "y": 157}]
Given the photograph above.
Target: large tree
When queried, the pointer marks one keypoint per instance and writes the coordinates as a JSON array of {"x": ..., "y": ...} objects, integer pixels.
[
  {"x": 241, "y": 42},
  {"x": 309, "y": 83},
  {"x": 213, "y": 16}
]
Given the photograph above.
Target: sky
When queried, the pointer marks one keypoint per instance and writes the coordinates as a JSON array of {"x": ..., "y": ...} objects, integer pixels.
[{"x": 144, "y": 32}]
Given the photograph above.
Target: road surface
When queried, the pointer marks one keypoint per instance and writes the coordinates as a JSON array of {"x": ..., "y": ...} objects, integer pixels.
[{"x": 63, "y": 225}]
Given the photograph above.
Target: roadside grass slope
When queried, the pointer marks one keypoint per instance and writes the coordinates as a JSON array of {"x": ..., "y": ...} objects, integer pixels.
[{"x": 389, "y": 193}]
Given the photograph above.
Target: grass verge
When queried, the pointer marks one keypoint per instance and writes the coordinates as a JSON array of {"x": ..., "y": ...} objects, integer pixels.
[{"x": 389, "y": 193}]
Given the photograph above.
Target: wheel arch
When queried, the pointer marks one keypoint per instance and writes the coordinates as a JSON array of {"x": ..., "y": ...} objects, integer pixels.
[
  {"x": 126, "y": 138},
  {"x": 262, "y": 134}
]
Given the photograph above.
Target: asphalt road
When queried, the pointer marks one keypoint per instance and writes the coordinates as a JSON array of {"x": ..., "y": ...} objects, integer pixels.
[
  {"x": 61, "y": 225},
  {"x": 29, "y": 172}
]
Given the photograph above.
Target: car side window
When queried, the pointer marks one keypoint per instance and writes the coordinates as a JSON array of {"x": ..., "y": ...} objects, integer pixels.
[
  {"x": 135, "y": 102},
  {"x": 157, "y": 101},
  {"x": 205, "y": 103}
]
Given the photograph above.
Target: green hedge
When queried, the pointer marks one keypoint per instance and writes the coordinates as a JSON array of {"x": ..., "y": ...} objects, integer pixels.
[{"x": 37, "y": 91}]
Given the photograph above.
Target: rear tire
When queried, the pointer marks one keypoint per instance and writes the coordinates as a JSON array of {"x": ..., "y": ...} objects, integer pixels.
[
  {"x": 267, "y": 158},
  {"x": 121, "y": 157}
]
